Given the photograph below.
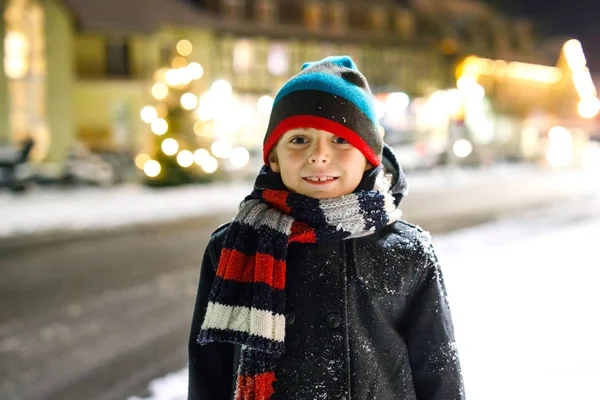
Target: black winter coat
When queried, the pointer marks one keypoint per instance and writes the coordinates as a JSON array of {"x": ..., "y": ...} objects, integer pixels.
[{"x": 367, "y": 319}]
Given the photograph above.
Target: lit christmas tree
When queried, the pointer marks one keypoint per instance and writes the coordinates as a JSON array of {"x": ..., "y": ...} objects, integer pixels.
[{"x": 182, "y": 147}]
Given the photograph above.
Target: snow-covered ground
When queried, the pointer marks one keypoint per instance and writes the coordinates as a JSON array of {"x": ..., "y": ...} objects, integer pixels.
[
  {"x": 45, "y": 210},
  {"x": 524, "y": 296}
]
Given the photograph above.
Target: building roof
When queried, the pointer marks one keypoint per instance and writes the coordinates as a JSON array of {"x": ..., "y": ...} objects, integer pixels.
[{"x": 134, "y": 15}]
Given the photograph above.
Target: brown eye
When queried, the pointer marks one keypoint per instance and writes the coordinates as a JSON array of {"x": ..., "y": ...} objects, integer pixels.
[
  {"x": 298, "y": 140},
  {"x": 339, "y": 140}
]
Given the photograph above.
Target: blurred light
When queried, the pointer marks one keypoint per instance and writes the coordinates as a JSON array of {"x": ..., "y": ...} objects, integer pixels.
[
  {"x": 395, "y": 102},
  {"x": 588, "y": 107},
  {"x": 210, "y": 165},
  {"x": 221, "y": 89},
  {"x": 184, "y": 76},
  {"x": 172, "y": 77},
  {"x": 159, "y": 126},
  {"x": 379, "y": 108},
  {"x": 179, "y": 62},
  {"x": 465, "y": 83},
  {"x": 454, "y": 102},
  {"x": 240, "y": 157},
  {"x": 185, "y": 158},
  {"x": 470, "y": 67},
  {"x": 160, "y": 91},
  {"x": 462, "y": 148},
  {"x": 199, "y": 128},
  {"x": 169, "y": 146},
  {"x": 470, "y": 88},
  {"x": 500, "y": 67},
  {"x": 148, "y": 114},
  {"x": 243, "y": 55},
  {"x": 184, "y": 47},
  {"x": 141, "y": 160},
  {"x": 574, "y": 54},
  {"x": 206, "y": 109},
  {"x": 195, "y": 70},
  {"x": 583, "y": 83},
  {"x": 265, "y": 105},
  {"x": 152, "y": 168},
  {"x": 488, "y": 67},
  {"x": 189, "y": 101},
  {"x": 200, "y": 156},
  {"x": 533, "y": 72},
  {"x": 221, "y": 149},
  {"x": 16, "y": 55},
  {"x": 278, "y": 61},
  {"x": 560, "y": 147}
]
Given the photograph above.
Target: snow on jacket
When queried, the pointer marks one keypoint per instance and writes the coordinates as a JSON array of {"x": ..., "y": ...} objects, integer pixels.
[{"x": 366, "y": 319}]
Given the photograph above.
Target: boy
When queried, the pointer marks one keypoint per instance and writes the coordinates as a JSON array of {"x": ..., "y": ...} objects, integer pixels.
[{"x": 317, "y": 290}]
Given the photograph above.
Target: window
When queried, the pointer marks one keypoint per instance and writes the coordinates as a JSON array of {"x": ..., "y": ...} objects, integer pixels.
[
  {"x": 234, "y": 9},
  {"x": 377, "y": 18},
  {"x": 337, "y": 15},
  {"x": 313, "y": 14},
  {"x": 117, "y": 57},
  {"x": 405, "y": 23},
  {"x": 278, "y": 61},
  {"x": 243, "y": 55},
  {"x": 265, "y": 11}
]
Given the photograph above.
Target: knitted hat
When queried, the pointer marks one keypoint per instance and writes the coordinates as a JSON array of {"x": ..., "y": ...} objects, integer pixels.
[{"x": 331, "y": 95}]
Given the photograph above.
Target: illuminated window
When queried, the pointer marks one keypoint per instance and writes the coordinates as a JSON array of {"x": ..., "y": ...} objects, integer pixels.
[
  {"x": 278, "y": 61},
  {"x": 25, "y": 67},
  {"x": 377, "y": 18},
  {"x": 313, "y": 14},
  {"x": 117, "y": 57},
  {"x": 337, "y": 16},
  {"x": 404, "y": 23},
  {"x": 243, "y": 55},
  {"x": 265, "y": 11},
  {"x": 234, "y": 9}
]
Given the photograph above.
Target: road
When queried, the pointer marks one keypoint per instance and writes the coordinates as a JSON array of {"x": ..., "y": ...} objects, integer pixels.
[{"x": 97, "y": 318}]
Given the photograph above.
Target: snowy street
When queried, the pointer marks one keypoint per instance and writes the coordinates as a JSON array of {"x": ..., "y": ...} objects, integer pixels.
[{"x": 523, "y": 293}]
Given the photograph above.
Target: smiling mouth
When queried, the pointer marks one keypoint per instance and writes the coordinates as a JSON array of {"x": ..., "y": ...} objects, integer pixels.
[{"x": 319, "y": 179}]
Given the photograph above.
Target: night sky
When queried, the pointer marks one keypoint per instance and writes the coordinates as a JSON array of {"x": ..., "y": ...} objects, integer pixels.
[{"x": 579, "y": 19}]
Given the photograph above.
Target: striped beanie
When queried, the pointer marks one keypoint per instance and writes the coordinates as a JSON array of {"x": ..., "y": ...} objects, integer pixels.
[{"x": 331, "y": 95}]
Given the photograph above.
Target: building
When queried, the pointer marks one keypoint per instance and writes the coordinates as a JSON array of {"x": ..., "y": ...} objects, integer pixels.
[{"x": 81, "y": 70}]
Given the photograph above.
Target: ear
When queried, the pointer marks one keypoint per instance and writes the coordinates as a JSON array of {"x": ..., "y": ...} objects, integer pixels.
[{"x": 274, "y": 165}]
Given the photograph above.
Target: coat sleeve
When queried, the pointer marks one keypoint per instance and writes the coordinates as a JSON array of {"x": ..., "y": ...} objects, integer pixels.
[
  {"x": 429, "y": 334},
  {"x": 211, "y": 372}
]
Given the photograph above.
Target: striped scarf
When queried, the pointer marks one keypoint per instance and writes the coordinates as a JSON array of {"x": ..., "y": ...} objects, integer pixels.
[{"x": 247, "y": 300}]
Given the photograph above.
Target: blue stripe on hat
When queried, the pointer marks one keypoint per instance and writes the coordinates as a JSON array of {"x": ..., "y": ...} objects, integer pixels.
[{"x": 331, "y": 84}]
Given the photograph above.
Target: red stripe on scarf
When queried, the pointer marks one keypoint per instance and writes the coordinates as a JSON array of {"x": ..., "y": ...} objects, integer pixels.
[
  {"x": 277, "y": 199},
  {"x": 237, "y": 266},
  {"x": 302, "y": 233},
  {"x": 255, "y": 387}
]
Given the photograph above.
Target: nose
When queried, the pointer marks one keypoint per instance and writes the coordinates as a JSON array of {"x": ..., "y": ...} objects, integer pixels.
[{"x": 319, "y": 153}]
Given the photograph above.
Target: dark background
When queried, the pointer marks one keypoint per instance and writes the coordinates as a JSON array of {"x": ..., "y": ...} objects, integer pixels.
[{"x": 578, "y": 19}]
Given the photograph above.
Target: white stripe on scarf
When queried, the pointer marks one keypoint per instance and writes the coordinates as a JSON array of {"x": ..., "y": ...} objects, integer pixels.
[{"x": 243, "y": 319}]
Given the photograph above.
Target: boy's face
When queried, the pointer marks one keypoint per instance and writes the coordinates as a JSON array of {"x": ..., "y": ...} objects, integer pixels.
[{"x": 318, "y": 164}]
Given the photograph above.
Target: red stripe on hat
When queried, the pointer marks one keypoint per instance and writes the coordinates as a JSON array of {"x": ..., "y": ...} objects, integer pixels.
[
  {"x": 277, "y": 199},
  {"x": 237, "y": 266},
  {"x": 255, "y": 387},
  {"x": 302, "y": 233},
  {"x": 310, "y": 121}
]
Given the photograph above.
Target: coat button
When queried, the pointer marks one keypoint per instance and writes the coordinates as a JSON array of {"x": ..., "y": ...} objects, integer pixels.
[
  {"x": 290, "y": 318},
  {"x": 334, "y": 320}
]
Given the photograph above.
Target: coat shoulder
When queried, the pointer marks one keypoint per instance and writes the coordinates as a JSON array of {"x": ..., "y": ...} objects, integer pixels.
[
  {"x": 413, "y": 237},
  {"x": 217, "y": 238}
]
